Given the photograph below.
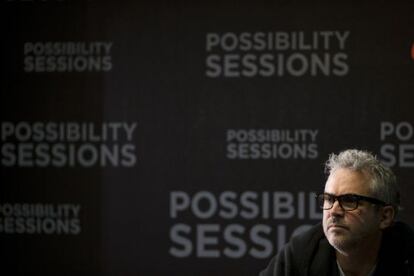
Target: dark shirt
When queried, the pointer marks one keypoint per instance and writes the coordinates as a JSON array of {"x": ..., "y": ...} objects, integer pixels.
[{"x": 310, "y": 254}]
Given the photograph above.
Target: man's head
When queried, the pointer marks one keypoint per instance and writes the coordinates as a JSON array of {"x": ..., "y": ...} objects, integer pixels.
[{"x": 361, "y": 199}]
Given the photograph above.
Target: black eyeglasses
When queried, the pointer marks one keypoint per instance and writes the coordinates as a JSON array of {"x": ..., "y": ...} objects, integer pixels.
[{"x": 348, "y": 202}]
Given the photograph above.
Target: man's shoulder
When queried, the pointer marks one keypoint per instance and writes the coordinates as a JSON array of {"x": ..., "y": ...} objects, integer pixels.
[
  {"x": 402, "y": 235},
  {"x": 309, "y": 237},
  {"x": 400, "y": 231},
  {"x": 397, "y": 250},
  {"x": 304, "y": 250},
  {"x": 304, "y": 246}
]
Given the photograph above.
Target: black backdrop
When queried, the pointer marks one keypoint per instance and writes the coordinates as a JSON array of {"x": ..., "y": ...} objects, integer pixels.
[{"x": 189, "y": 139}]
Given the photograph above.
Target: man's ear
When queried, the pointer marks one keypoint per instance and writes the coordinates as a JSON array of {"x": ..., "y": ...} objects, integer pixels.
[{"x": 387, "y": 216}]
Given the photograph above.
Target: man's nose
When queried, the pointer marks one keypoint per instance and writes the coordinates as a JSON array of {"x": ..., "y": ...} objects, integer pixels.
[{"x": 337, "y": 209}]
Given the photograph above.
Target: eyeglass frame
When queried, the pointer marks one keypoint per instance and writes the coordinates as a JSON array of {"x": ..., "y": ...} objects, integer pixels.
[{"x": 357, "y": 198}]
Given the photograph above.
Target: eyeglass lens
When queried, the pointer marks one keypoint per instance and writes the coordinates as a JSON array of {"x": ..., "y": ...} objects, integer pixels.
[{"x": 347, "y": 202}]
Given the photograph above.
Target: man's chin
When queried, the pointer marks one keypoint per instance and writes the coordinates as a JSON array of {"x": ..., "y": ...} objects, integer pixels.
[{"x": 340, "y": 243}]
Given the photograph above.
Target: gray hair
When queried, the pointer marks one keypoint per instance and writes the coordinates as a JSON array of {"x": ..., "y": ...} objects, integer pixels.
[{"x": 383, "y": 184}]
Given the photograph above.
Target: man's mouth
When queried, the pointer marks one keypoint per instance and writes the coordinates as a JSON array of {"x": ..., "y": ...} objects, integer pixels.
[{"x": 335, "y": 225}]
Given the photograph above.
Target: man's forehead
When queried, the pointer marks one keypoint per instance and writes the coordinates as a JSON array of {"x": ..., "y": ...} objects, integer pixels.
[{"x": 344, "y": 181}]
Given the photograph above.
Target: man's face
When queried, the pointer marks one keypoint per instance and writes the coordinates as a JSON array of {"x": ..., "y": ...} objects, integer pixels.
[{"x": 347, "y": 229}]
